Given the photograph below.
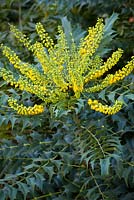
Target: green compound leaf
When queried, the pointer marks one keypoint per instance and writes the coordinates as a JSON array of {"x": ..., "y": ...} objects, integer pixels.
[
  {"x": 130, "y": 96},
  {"x": 108, "y": 36},
  {"x": 111, "y": 96},
  {"x": 39, "y": 180},
  {"x": 109, "y": 23},
  {"x": 23, "y": 188},
  {"x": 12, "y": 192},
  {"x": 50, "y": 171},
  {"x": 32, "y": 182}
]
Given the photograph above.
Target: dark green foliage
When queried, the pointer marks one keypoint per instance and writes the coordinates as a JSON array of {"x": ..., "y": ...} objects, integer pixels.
[
  {"x": 82, "y": 13},
  {"x": 73, "y": 152},
  {"x": 56, "y": 164}
]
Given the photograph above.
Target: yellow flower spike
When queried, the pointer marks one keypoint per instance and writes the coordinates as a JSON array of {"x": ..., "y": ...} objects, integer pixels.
[
  {"x": 89, "y": 45},
  {"x": 13, "y": 58},
  {"x": 105, "y": 67},
  {"x": 21, "y": 37},
  {"x": 92, "y": 40},
  {"x": 113, "y": 78},
  {"x": 37, "y": 48},
  {"x": 58, "y": 57},
  {"x": 109, "y": 110},
  {"x": 25, "y": 68},
  {"x": 42, "y": 57},
  {"x": 22, "y": 83},
  {"x": 8, "y": 76},
  {"x": 57, "y": 72},
  {"x": 23, "y": 110},
  {"x": 45, "y": 38},
  {"x": 76, "y": 82},
  {"x": 120, "y": 74}
]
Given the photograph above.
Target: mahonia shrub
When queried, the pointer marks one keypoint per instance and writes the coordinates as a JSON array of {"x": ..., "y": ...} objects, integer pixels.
[{"x": 65, "y": 71}]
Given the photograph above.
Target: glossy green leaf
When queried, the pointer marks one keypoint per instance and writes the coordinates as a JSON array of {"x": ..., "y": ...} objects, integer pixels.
[{"x": 105, "y": 166}]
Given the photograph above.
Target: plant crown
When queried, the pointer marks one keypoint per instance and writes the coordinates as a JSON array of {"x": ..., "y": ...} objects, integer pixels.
[{"x": 64, "y": 69}]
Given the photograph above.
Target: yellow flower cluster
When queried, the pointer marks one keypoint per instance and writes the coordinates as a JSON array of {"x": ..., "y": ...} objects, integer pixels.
[
  {"x": 25, "y": 68},
  {"x": 113, "y": 78},
  {"x": 110, "y": 110},
  {"x": 23, "y": 110},
  {"x": 112, "y": 61},
  {"x": 45, "y": 38},
  {"x": 22, "y": 82},
  {"x": 64, "y": 70},
  {"x": 58, "y": 57},
  {"x": 92, "y": 40},
  {"x": 36, "y": 48},
  {"x": 88, "y": 46},
  {"x": 21, "y": 37},
  {"x": 77, "y": 84},
  {"x": 121, "y": 74},
  {"x": 42, "y": 57},
  {"x": 95, "y": 63}
]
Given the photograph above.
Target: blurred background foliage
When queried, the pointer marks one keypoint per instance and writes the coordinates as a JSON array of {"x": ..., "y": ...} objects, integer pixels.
[
  {"x": 68, "y": 154},
  {"x": 81, "y": 13}
]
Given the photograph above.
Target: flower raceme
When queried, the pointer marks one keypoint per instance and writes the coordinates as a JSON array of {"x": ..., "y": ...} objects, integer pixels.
[
  {"x": 110, "y": 110},
  {"x": 64, "y": 70},
  {"x": 23, "y": 110}
]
